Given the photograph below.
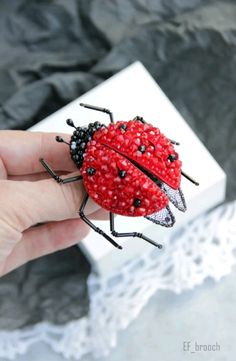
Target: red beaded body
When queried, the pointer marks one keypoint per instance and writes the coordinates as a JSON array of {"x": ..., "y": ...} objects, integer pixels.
[{"x": 126, "y": 158}]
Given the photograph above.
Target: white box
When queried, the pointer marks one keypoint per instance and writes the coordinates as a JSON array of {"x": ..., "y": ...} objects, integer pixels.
[{"x": 129, "y": 93}]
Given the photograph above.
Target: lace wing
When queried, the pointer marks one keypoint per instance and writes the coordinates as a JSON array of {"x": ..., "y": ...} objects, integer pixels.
[
  {"x": 175, "y": 196},
  {"x": 164, "y": 217}
]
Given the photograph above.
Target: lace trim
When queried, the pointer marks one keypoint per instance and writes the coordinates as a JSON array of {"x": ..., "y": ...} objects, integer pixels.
[{"x": 204, "y": 248}]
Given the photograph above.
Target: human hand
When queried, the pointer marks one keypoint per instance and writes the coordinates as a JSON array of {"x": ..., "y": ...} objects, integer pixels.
[{"x": 29, "y": 196}]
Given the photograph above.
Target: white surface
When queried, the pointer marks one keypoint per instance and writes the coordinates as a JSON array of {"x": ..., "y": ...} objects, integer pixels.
[
  {"x": 202, "y": 250},
  {"x": 178, "y": 318},
  {"x": 129, "y": 93}
]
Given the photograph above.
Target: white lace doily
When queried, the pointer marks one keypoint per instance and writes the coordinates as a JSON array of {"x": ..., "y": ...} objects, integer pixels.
[{"x": 204, "y": 248}]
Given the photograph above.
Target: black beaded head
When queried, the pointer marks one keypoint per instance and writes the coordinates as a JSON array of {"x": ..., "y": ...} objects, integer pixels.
[{"x": 79, "y": 140}]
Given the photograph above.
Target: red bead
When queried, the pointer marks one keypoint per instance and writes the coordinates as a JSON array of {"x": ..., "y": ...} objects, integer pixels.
[
  {"x": 158, "y": 148},
  {"x": 118, "y": 194}
]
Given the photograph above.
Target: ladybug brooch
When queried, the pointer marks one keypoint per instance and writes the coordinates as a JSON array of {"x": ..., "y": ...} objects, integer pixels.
[{"x": 129, "y": 168}]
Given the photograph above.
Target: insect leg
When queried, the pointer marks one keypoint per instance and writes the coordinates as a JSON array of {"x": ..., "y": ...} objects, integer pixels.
[
  {"x": 96, "y": 229},
  {"x": 140, "y": 119},
  {"x": 56, "y": 177},
  {"x": 104, "y": 110},
  {"x": 189, "y": 178},
  {"x": 174, "y": 142},
  {"x": 130, "y": 234}
]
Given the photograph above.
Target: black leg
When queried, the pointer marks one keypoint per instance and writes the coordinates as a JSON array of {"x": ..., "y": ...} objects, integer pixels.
[
  {"x": 104, "y": 110},
  {"x": 174, "y": 142},
  {"x": 130, "y": 234},
  {"x": 56, "y": 177},
  {"x": 96, "y": 229},
  {"x": 189, "y": 178}
]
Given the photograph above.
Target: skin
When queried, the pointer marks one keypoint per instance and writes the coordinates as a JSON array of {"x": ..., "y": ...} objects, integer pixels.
[{"x": 29, "y": 197}]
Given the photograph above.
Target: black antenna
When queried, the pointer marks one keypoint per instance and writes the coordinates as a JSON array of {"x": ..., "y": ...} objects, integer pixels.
[
  {"x": 61, "y": 140},
  {"x": 70, "y": 123}
]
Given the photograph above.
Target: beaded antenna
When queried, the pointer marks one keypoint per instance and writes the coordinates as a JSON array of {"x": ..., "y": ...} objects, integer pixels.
[{"x": 129, "y": 168}]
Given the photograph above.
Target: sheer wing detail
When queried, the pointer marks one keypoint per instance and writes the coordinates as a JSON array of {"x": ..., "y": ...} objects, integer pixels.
[
  {"x": 164, "y": 217},
  {"x": 175, "y": 196}
]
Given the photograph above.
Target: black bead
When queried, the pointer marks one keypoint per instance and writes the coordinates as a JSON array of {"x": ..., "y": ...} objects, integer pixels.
[
  {"x": 83, "y": 145},
  {"x": 81, "y": 134},
  {"x": 142, "y": 148},
  {"x": 91, "y": 171},
  {"x": 137, "y": 202},
  {"x": 97, "y": 125},
  {"x": 123, "y": 127},
  {"x": 70, "y": 122},
  {"x": 122, "y": 173},
  {"x": 59, "y": 139},
  {"x": 172, "y": 157}
]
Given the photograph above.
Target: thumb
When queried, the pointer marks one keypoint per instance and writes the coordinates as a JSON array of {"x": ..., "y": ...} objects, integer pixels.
[{"x": 25, "y": 204}]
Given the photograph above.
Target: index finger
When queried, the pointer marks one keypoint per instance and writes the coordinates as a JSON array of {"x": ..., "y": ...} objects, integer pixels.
[{"x": 20, "y": 152}]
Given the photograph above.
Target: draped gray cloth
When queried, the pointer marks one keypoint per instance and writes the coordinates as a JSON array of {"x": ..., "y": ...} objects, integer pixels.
[{"x": 51, "y": 52}]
